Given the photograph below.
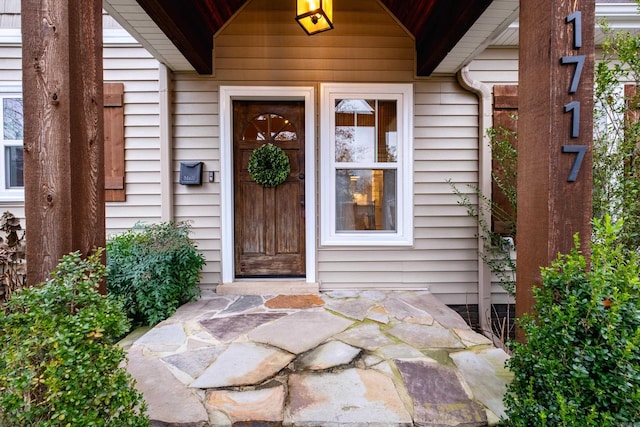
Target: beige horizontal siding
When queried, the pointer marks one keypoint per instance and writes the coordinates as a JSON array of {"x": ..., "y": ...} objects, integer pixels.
[
  {"x": 195, "y": 138},
  {"x": 133, "y": 66},
  {"x": 496, "y": 66}
]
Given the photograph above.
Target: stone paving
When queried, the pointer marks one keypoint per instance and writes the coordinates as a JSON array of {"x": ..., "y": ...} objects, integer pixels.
[{"x": 336, "y": 359}]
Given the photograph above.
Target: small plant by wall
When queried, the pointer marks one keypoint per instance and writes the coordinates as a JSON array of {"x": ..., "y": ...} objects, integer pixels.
[
  {"x": 580, "y": 365},
  {"x": 153, "y": 269},
  {"x": 59, "y": 365}
]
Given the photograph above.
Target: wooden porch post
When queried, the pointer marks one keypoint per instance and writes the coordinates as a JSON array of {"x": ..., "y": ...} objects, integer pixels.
[
  {"x": 555, "y": 136},
  {"x": 64, "y": 131}
]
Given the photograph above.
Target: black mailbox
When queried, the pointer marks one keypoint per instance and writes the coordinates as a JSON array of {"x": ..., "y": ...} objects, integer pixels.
[{"x": 191, "y": 173}]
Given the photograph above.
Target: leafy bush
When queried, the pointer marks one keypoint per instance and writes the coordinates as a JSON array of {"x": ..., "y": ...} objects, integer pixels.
[
  {"x": 58, "y": 362},
  {"x": 154, "y": 269},
  {"x": 580, "y": 365}
]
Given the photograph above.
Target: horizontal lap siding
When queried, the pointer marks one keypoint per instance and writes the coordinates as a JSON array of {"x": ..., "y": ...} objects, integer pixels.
[
  {"x": 134, "y": 66},
  {"x": 196, "y": 138},
  {"x": 496, "y": 66}
]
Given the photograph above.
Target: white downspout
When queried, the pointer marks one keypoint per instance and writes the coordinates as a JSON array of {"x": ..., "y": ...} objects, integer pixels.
[
  {"x": 484, "y": 184},
  {"x": 166, "y": 144}
]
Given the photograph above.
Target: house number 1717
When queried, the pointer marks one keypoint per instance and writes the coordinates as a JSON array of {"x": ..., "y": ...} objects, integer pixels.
[{"x": 573, "y": 107}]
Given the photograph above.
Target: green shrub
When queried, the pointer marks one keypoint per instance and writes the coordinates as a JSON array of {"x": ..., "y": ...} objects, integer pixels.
[
  {"x": 58, "y": 362},
  {"x": 580, "y": 365},
  {"x": 154, "y": 269}
]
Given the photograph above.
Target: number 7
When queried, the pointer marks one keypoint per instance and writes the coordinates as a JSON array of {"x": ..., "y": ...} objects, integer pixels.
[{"x": 580, "y": 150}]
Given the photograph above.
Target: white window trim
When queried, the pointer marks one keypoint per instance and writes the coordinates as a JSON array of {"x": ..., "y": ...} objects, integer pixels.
[
  {"x": 8, "y": 194},
  {"x": 403, "y": 93}
]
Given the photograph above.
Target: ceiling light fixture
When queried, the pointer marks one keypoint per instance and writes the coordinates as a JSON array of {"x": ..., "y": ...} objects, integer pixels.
[{"x": 314, "y": 16}]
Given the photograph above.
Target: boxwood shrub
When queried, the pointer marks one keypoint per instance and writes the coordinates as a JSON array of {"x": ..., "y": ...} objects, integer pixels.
[
  {"x": 59, "y": 365},
  {"x": 154, "y": 269},
  {"x": 580, "y": 365}
]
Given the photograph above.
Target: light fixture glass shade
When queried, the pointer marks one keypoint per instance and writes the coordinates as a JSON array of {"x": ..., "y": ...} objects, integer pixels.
[{"x": 314, "y": 16}]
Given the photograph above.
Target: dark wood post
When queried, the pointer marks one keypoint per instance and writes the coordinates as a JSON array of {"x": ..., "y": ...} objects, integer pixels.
[
  {"x": 64, "y": 131},
  {"x": 555, "y": 136}
]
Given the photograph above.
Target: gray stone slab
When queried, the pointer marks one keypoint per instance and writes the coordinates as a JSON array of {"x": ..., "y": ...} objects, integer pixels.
[
  {"x": 126, "y": 342},
  {"x": 201, "y": 307},
  {"x": 445, "y": 316},
  {"x": 471, "y": 338},
  {"x": 169, "y": 401},
  {"x": 424, "y": 337},
  {"x": 399, "y": 351},
  {"x": 378, "y": 314},
  {"x": 439, "y": 399},
  {"x": 194, "y": 362},
  {"x": 353, "y": 397},
  {"x": 229, "y": 328},
  {"x": 405, "y": 312},
  {"x": 264, "y": 407},
  {"x": 243, "y": 364},
  {"x": 164, "y": 338},
  {"x": 328, "y": 355},
  {"x": 375, "y": 295},
  {"x": 356, "y": 308},
  {"x": 244, "y": 303},
  {"x": 300, "y": 331},
  {"x": 367, "y": 336},
  {"x": 485, "y": 373},
  {"x": 340, "y": 294}
]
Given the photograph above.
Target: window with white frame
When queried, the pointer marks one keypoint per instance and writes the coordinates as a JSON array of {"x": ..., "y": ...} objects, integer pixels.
[
  {"x": 366, "y": 146},
  {"x": 11, "y": 130}
]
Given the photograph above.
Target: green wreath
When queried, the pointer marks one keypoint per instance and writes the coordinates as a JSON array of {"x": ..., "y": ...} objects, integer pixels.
[{"x": 269, "y": 165}]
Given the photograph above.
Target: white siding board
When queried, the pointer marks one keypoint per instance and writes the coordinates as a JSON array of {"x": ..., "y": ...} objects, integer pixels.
[
  {"x": 445, "y": 110},
  {"x": 146, "y": 120},
  {"x": 446, "y": 166}
]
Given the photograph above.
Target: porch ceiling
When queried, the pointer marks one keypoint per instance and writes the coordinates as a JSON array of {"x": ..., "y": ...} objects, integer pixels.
[{"x": 447, "y": 33}]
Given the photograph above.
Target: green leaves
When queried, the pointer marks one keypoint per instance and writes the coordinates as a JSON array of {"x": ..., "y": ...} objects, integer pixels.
[
  {"x": 616, "y": 148},
  {"x": 269, "y": 165},
  {"x": 153, "y": 269},
  {"x": 58, "y": 362},
  {"x": 581, "y": 361}
]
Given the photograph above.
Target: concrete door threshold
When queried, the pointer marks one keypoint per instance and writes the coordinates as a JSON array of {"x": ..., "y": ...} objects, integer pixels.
[{"x": 268, "y": 287}]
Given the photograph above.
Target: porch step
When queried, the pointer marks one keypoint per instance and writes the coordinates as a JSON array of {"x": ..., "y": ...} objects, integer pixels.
[{"x": 268, "y": 287}]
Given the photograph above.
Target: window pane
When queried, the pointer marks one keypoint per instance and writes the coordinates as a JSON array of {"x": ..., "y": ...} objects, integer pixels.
[
  {"x": 14, "y": 167},
  {"x": 366, "y": 131},
  {"x": 365, "y": 199},
  {"x": 12, "y": 119}
]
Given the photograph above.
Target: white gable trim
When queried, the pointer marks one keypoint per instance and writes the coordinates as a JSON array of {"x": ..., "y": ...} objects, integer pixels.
[{"x": 227, "y": 95}]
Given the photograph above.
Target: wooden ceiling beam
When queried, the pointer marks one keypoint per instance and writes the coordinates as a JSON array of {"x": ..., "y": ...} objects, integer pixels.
[
  {"x": 186, "y": 28},
  {"x": 437, "y": 26}
]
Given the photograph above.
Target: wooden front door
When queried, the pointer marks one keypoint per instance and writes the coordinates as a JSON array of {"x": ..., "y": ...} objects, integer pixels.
[{"x": 269, "y": 222}]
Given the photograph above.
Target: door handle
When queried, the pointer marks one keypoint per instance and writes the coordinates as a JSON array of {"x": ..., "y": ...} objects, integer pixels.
[{"x": 301, "y": 176}]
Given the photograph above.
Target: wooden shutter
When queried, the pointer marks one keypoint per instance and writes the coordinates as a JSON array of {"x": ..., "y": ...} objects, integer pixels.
[
  {"x": 505, "y": 113},
  {"x": 114, "y": 179}
]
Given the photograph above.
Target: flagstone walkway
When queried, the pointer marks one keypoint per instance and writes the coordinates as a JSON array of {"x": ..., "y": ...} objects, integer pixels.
[{"x": 334, "y": 359}]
